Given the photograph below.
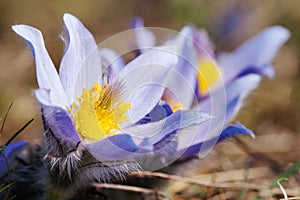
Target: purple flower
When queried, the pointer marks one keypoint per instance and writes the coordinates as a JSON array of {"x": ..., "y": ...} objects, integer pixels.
[
  {"x": 216, "y": 84},
  {"x": 8, "y": 154},
  {"x": 93, "y": 116},
  {"x": 144, "y": 37}
]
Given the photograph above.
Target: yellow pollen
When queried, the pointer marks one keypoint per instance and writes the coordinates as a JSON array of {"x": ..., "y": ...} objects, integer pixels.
[
  {"x": 172, "y": 100},
  {"x": 176, "y": 107},
  {"x": 99, "y": 111},
  {"x": 208, "y": 74}
]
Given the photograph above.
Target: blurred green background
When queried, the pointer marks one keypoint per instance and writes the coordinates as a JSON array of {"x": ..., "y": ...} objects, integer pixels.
[{"x": 272, "y": 109}]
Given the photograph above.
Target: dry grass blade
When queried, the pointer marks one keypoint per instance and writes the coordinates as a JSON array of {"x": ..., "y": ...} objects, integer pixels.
[
  {"x": 282, "y": 189},
  {"x": 232, "y": 186},
  {"x": 16, "y": 134},
  {"x": 158, "y": 194},
  {"x": 5, "y": 117},
  {"x": 236, "y": 185}
]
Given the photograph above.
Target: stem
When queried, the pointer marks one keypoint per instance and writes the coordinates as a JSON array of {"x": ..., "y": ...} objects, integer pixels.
[{"x": 16, "y": 134}]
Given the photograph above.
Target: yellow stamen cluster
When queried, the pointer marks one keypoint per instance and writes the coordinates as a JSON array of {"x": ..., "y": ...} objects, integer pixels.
[
  {"x": 208, "y": 74},
  {"x": 172, "y": 100},
  {"x": 99, "y": 111},
  {"x": 176, "y": 107}
]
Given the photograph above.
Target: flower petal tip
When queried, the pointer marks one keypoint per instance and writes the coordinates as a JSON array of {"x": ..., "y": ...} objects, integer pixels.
[
  {"x": 280, "y": 31},
  {"x": 137, "y": 22},
  {"x": 69, "y": 17},
  {"x": 253, "y": 135},
  {"x": 235, "y": 129},
  {"x": 25, "y": 31}
]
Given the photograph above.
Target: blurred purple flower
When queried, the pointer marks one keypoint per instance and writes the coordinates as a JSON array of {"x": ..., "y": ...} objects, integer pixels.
[
  {"x": 7, "y": 156},
  {"x": 144, "y": 37},
  {"x": 92, "y": 119},
  {"x": 216, "y": 84}
]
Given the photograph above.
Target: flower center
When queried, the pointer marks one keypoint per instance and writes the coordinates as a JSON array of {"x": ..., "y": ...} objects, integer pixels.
[
  {"x": 99, "y": 111},
  {"x": 208, "y": 74},
  {"x": 172, "y": 100}
]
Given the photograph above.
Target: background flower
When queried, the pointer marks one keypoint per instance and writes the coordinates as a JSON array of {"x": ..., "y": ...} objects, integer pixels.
[
  {"x": 7, "y": 156},
  {"x": 216, "y": 83}
]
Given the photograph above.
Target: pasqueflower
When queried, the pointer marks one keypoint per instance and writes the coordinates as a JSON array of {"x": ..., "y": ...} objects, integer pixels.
[
  {"x": 8, "y": 155},
  {"x": 95, "y": 118},
  {"x": 214, "y": 83}
]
